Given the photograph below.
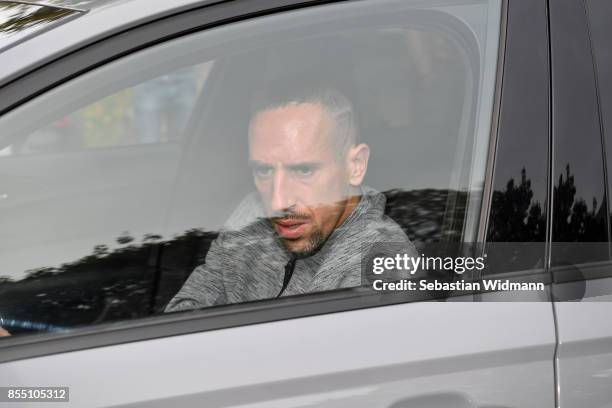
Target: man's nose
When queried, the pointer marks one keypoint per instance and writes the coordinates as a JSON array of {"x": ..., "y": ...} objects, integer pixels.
[{"x": 281, "y": 193}]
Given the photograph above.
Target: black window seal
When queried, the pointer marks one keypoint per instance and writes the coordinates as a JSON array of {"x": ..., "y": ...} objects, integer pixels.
[{"x": 551, "y": 151}]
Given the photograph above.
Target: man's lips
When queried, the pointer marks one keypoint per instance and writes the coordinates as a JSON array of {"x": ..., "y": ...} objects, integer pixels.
[{"x": 290, "y": 229}]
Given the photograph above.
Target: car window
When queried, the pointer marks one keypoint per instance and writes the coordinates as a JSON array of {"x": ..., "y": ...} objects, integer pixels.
[
  {"x": 599, "y": 13},
  {"x": 262, "y": 159},
  {"x": 580, "y": 229},
  {"x": 517, "y": 229}
]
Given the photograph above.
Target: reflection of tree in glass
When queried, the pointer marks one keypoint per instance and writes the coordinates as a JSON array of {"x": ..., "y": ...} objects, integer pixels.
[
  {"x": 138, "y": 279},
  {"x": 125, "y": 238},
  {"x": 428, "y": 215},
  {"x": 573, "y": 221},
  {"x": 515, "y": 216},
  {"x": 23, "y": 16},
  {"x": 133, "y": 281}
]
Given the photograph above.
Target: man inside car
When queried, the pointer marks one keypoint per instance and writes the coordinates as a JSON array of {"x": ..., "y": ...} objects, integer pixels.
[{"x": 311, "y": 220}]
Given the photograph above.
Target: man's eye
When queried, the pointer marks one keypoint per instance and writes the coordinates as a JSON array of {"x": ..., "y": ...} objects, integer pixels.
[
  {"x": 263, "y": 172},
  {"x": 303, "y": 171}
]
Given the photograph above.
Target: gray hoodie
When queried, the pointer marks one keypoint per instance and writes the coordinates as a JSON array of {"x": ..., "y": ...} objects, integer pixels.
[{"x": 247, "y": 260}]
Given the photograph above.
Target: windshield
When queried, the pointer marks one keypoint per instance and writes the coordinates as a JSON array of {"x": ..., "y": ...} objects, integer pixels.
[{"x": 19, "y": 20}]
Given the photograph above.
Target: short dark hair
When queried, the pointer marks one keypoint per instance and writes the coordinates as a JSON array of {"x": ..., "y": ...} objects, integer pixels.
[{"x": 334, "y": 102}]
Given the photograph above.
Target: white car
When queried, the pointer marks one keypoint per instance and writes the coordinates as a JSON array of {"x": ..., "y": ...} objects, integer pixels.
[{"x": 123, "y": 151}]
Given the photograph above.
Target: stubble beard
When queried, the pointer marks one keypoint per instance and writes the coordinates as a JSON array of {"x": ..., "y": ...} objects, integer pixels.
[{"x": 313, "y": 243}]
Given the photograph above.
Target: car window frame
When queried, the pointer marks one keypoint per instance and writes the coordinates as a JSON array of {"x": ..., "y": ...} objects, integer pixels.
[
  {"x": 102, "y": 52},
  {"x": 588, "y": 269},
  {"x": 518, "y": 41}
]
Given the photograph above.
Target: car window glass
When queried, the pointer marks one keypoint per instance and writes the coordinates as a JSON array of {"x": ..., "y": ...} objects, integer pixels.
[
  {"x": 580, "y": 209},
  {"x": 599, "y": 14},
  {"x": 154, "y": 111},
  {"x": 516, "y": 233},
  {"x": 303, "y": 140}
]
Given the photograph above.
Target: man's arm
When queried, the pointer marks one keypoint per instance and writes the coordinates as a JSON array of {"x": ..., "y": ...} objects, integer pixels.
[{"x": 205, "y": 286}]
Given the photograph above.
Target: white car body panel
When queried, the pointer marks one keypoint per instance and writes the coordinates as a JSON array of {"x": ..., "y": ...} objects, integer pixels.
[{"x": 444, "y": 354}]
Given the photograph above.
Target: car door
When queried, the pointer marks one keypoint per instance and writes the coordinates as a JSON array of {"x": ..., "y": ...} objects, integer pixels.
[
  {"x": 442, "y": 99},
  {"x": 581, "y": 256}
]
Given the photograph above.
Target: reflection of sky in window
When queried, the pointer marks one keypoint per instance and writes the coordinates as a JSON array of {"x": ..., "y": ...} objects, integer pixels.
[{"x": 18, "y": 20}]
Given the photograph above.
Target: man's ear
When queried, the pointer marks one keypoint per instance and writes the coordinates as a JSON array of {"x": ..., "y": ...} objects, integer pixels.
[{"x": 357, "y": 158}]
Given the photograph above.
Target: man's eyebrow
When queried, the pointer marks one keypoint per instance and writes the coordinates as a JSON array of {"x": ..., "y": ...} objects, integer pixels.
[{"x": 312, "y": 165}]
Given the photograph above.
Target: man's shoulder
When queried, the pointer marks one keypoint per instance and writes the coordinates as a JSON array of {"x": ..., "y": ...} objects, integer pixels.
[
  {"x": 369, "y": 229},
  {"x": 247, "y": 224},
  {"x": 248, "y": 238},
  {"x": 378, "y": 225},
  {"x": 387, "y": 230},
  {"x": 248, "y": 212}
]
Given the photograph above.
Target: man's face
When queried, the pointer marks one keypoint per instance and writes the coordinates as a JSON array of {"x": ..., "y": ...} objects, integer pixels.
[{"x": 302, "y": 180}]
